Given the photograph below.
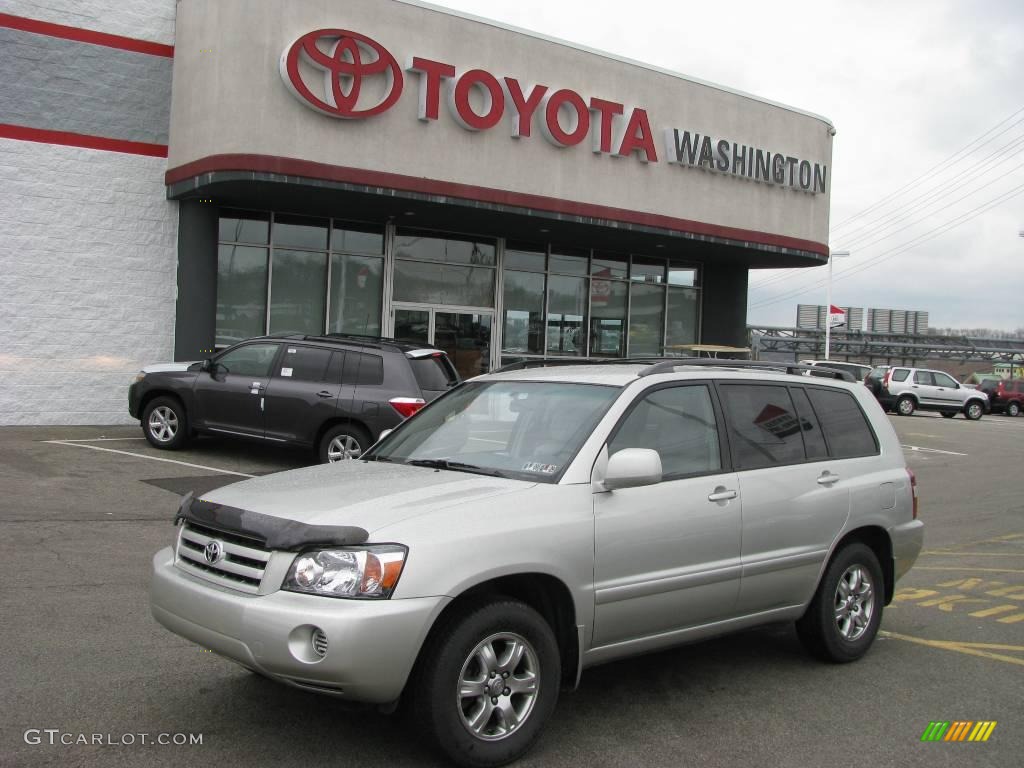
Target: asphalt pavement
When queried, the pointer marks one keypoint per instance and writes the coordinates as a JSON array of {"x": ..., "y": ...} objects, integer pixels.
[{"x": 83, "y": 509}]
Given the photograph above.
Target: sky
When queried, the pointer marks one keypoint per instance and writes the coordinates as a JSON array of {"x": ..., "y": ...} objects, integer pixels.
[{"x": 927, "y": 97}]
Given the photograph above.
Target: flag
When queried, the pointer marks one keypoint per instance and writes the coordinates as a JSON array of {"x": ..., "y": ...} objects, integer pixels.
[{"x": 836, "y": 317}]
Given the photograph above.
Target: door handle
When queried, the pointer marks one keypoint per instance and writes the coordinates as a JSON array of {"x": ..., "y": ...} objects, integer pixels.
[
  {"x": 828, "y": 479},
  {"x": 722, "y": 494},
  {"x": 324, "y": 393}
]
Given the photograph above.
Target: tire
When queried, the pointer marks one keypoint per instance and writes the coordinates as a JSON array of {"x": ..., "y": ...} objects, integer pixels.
[
  {"x": 974, "y": 410},
  {"x": 948, "y": 414},
  {"x": 450, "y": 666},
  {"x": 165, "y": 423},
  {"x": 1013, "y": 409},
  {"x": 906, "y": 406},
  {"x": 841, "y": 639},
  {"x": 341, "y": 442}
]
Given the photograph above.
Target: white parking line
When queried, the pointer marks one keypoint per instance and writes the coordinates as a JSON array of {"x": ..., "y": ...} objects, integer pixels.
[
  {"x": 931, "y": 450},
  {"x": 93, "y": 440},
  {"x": 70, "y": 444}
]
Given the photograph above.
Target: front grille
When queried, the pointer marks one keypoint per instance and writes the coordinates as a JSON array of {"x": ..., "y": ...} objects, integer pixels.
[
  {"x": 320, "y": 643},
  {"x": 241, "y": 567}
]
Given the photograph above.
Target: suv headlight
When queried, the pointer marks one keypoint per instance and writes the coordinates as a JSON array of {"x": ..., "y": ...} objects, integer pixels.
[
  {"x": 139, "y": 376},
  {"x": 360, "y": 572}
]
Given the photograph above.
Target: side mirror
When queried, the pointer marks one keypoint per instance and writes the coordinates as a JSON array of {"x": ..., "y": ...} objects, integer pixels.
[
  {"x": 958, "y": 386},
  {"x": 633, "y": 467},
  {"x": 384, "y": 433},
  {"x": 207, "y": 365}
]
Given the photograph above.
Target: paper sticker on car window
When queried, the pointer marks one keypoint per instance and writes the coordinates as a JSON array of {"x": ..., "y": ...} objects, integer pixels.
[
  {"x": 292, "y": 350},
  {"x": 286, "y": 371},
  {"x": 546, "y": 469}
]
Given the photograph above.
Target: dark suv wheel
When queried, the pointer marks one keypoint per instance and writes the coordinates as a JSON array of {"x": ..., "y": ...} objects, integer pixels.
[
  {"x": 165, "y": 423},
  {"x": 342, "y": 442},
  {"x": 1013, "y": 409}
]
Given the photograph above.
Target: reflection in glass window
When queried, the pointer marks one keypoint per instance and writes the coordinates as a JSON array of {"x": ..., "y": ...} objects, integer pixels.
[
  {"x": 611, "y": 265},
  {"x": 358, "y": 238},
  {"x": 682, "y": 318},
  {"x": 814, "y": 441},
  {"x": 567, "y": 315},
  {"x": 686, "y": 276},
  {"x": 303, "y": 364},
  {"x": 646, "y": 320},
  {"x": 647, "y": 270},
  {"x": 411, "y": 245},
  {"x": 763, "y": 425},
  {"x": 300, "y": 232},
  {"x": 250, "y": 360},
  {"x": 356, "y": 287},
  {"x": 846, "y": 428},
  {"x": 678, "y": 423},
  {"x": 572, "y": 261},
  {"x": 521, "y": 256},
  {"x": 427, "y": 283},
  {"x": 241, "y": 293},
  {"x": 607, "y": 317},
  {"x": 244, "y": 227},
  {"x": 297, "y": 292},
  {"x": 523, "y": 327}
]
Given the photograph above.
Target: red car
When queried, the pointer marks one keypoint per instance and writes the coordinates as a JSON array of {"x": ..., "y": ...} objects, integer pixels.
[{"x": 1005, "y": 396}]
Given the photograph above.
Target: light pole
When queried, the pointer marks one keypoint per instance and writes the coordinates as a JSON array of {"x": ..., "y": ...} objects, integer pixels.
[{"x": 828, "y": 300}]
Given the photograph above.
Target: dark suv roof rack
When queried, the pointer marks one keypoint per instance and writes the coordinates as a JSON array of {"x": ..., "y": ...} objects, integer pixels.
[
  {"x": 559, "y": 361},
  {"x": 669, "y": 365}
]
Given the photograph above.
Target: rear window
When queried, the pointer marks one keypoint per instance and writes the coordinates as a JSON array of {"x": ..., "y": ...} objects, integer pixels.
[
  {"x": 434, "y": 373},
  {"x": 900, "y": 374},
  {"x": 764, "y": 428},
  {"x": 360, "y": 368},
  {"x": 845, "y": 426}
]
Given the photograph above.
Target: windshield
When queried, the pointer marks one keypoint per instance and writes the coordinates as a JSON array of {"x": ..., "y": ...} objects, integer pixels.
[{"x": 523, "y": 430}]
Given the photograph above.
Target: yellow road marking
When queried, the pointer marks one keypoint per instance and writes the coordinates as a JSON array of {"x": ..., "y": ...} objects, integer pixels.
[
  {"x": 995, "y": 611},
  {"x": 1011, "y": 619},
  {"x": 1016, "y": 592},
  {"x": 937, "y": 553},
  {"x": 971, "y": 649},
  {"x": 963, "y": 568},
  {"x": 946, "y": 602}
]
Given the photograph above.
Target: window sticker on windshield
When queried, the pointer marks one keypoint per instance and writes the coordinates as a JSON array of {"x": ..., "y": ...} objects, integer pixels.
[
  {"x": 286, "y": 371},
  {"x": 533, "y": 466},
  {"x": 292, "y": 350}
]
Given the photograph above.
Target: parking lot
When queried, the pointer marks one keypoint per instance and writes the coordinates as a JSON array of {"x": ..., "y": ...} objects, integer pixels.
[{"x": 84, "y": 509}]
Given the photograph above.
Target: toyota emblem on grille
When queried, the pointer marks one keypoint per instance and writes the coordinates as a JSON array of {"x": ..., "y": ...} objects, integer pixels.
[{"x": 214, "y": 552}]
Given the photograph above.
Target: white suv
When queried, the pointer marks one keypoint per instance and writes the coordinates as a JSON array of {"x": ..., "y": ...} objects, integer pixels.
[
  {"x": 535, "y": 522},
  {"x": 906, "y": 390}
]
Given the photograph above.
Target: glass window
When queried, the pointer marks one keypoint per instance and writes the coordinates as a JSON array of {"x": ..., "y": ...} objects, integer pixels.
[
  {"x": 571, "y": 261},
  {"x": 363, "y": 369},
  {"x": 412, "y": 325},
  {"x": 686, "y": 276},
  {"x": 426, "y": 283},
  {"x": 846, "y": 427},
  {"x": 763, "y": 425},
  {"x": 244, "y": 227},
  {"x": 647, "y": 270},
  {"x": 567, "y": 315},
  {"x": 677, "y": 422},
  {"x": 682, "y": 318},
  {"x": 814, "y": 441},
  {"x": 360, "y": 238},
  {"x": 304, "y": 363},
  {"x": 466, "y": 338},
  {"x": 522, "y": 256},
  {"x": 523, "y": 312},
  {"x": 942, "y": 380},
  {"x": 411, "y": 245},
  {"x": 297, "y": 292},
  {"x": 300, "y": 232},
  {"x": 900, "y": 374},
  {"x": 607, "y": 317},
  {"x": 609, "y": 265},
  {"x": 241, "y": 293},
  {"x": 434, "y": 373},
  {"x": 249, "y": 360},
  {"x": 646, "y": 320},
  {"x": 923, "y": 377},
  {"x": 356, "y": 289}
]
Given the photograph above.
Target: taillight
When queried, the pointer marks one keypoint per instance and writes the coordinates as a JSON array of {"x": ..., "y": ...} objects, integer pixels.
[
  {"x": 407, "y": 406},
  {"x": 885, "y": 379},
  {"x": 913, "y": 490}
]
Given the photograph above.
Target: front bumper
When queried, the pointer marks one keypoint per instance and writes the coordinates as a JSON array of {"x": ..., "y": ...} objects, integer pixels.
[
  {"x": 907, "y": 541},
  {"x": 134, "y": 397},
  {"x": 371, "y": 645}
]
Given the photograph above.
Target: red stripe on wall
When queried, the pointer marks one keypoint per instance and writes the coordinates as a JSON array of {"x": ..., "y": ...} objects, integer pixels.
[
  {"x": 85, "y": 35},
  {"x": 287, "y": 166},
  {"x": 67, "y": 139}
]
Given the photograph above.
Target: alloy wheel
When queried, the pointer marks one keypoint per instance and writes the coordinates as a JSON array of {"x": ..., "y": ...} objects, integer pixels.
[
  {"x": 498, "y": 686},
  {"x": 854, "y": 603},
  {"x": 163, "y": 424},
  {"x": 344, "y": 447}
]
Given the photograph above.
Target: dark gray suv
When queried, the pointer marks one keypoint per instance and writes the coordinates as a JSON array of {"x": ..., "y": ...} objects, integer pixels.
[{"x": 334, "y": 394}]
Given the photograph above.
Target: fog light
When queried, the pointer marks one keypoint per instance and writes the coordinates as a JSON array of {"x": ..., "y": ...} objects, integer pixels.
[{"x": 319, "y": 640}]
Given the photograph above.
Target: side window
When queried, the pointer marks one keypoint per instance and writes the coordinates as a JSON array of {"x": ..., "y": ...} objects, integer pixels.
[
  {"x": 924, "y": 377},
  {"x": 942, "y": 380},
  {"x": 763, "y": 426},
  {"x": 363, "y": 369},
  {"x": 303, "y": 363},
  {"x": 900, "y": 374},
  {"x": 846, "y": 427},
  {"x": 677, "y": 422},
  {"x": 334, "y": 365},
  {"x": 814, "y": 440},
  {"x": 251, "y": 360}
]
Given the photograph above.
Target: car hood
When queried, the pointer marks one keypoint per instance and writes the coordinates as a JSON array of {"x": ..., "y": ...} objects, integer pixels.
[
  {"x": 168, "y": 367},
  {"x": 369, "y": 495}
]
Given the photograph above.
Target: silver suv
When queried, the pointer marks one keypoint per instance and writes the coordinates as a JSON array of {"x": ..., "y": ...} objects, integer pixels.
[
  {"x": 535, "y": 522},
  {"x": 906, "y": 390}
]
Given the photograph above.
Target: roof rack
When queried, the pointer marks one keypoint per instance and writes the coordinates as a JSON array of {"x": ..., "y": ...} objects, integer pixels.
[
  {"x": 559, "y": 361},
  {"x": 669, "y": 365}
]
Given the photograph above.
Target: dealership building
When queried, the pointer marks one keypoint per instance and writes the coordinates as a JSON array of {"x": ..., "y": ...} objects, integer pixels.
[{"x": 178, "y": 176}]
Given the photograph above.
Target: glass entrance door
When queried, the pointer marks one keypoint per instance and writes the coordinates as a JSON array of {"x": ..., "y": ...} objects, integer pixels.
[{"x": 465, "y": 335}]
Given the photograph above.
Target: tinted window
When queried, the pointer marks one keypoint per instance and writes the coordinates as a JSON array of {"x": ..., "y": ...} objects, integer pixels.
[
  {"x": 363, "y": 369},
  {"x": 250, "y": 360},
  {"x": 814, "y": 440},
  {"x": 846, "y": 427},
  {"x": 678, "y": 423},
  {"x": 900, "y": 374},
  {"x": 924, "y": 377},
  {"x": 304, "y": 363},
  {"x": 763, "y": 425},
  {"x": 434, "y": 373},
  {"x": 942, "y": 380}
]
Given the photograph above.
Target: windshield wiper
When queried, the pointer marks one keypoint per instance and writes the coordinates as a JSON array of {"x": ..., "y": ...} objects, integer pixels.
[{"x": 455, "y": 466}]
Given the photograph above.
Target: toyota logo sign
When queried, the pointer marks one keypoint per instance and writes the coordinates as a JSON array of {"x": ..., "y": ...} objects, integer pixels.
[
  {"x": 214, "y": 552},
  {"x": 359, "y": 77}
]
